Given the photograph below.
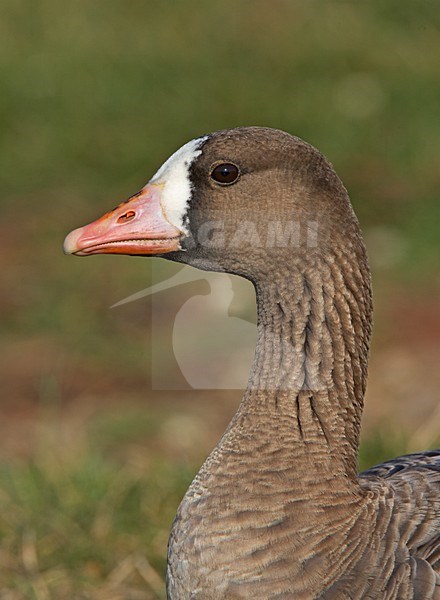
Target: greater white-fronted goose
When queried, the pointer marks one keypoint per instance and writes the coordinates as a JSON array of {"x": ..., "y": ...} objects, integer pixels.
[{"x": 278, "y": 510}]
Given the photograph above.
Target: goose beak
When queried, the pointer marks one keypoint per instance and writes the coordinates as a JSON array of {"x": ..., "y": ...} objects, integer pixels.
[{"x": 138, "y": 226}]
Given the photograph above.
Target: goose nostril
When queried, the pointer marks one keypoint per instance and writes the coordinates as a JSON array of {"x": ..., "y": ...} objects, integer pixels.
[{"x": 128, "y": 216}]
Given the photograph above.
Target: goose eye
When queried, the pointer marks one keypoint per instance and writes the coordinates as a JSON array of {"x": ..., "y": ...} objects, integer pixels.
[{"x": 226, "y": 173}]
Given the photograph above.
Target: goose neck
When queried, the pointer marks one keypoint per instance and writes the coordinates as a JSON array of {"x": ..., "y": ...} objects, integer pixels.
[{"x": 310, "y": 365}]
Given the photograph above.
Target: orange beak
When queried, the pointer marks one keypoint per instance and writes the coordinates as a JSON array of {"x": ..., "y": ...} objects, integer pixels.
[{"x": 138, "y": 226}]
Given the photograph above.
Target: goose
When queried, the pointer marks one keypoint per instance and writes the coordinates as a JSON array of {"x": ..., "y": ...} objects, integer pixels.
[{"x": 278, "y": 511}]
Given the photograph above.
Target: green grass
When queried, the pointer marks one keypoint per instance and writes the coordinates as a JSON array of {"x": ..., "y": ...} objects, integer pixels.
[
  {"x": 79, "y": 520},
  {"x": 90, "y": 518}
]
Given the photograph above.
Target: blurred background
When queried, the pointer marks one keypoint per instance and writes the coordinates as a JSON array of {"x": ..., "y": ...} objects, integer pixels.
[{"x": 94, "y": 96}]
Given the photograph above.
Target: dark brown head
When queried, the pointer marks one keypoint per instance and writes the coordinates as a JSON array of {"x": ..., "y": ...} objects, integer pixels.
[{"x": 241, "y": 200}]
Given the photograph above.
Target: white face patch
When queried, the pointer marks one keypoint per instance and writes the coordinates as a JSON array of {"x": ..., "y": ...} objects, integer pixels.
[{"x": 174, "y": 176}]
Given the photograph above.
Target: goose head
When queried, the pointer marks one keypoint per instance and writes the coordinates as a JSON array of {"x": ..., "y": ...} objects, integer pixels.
[
  {"x": 267, "y": 206},
  {"x": 243, "y": 200}
]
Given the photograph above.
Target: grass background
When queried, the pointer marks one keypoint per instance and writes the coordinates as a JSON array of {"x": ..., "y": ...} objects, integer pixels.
[{"x": 94, "y": 96}]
